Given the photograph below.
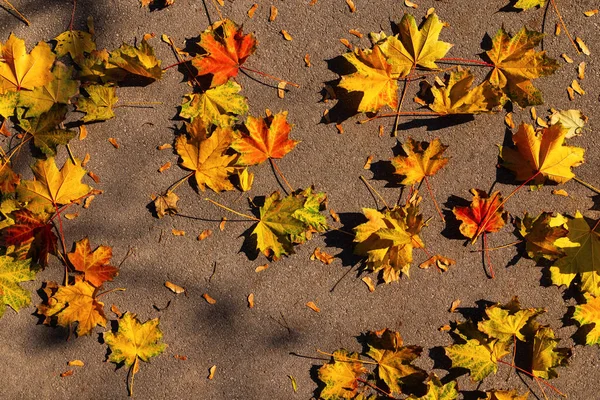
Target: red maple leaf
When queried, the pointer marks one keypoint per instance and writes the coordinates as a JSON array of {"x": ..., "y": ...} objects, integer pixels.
[
  {"x": 227, "y": 49},
  {"x": 485, "y": 214},
  {"x": 31, "y": 235}
]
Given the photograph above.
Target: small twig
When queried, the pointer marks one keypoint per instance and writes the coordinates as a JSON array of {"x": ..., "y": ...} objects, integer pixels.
[
  {"x": 404, "y": 91},
  {"x": 71, "y": 156},
  {"x": 533, "y": 376},
  {"x": 21, "y": 16},
  {"x": 179, "y": 182},
  {"x": 73, "y": 15},
  {"x": 504, "y": 246},
  {"x": 487, "y": 256},
  {"x": 377, "y": 388},
  {"x": 269, "y": 76},
  {"x": 404, "y": 113},
  {"x": 562, "y": 22},
  {"x": 342, "y": 231},
  {"x": 250, "y": 217},
  {"x": 372, "y": 189},
  {"x": 437, "y": 206},
  {"x": 218, "y": 10},
  {"x": 146, "y": 104},
  {"x": 587, "y": 185},
  {"x": 214, "y": 271},
  {"x": 276, "y": 168},
  {"x": 466, "y": 61},
  {"x": 129, "y": 252},
  {"x": 339, "y": 280}
]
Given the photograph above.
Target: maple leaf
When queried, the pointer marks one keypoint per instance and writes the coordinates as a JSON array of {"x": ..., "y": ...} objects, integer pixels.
[
  {"x": 546, "y": 356},
  {"x": 414, "y": 46},
  {"x": 74, "y": 43},
  {"x": 8, "y": 103},
  {"x": 207, "y": 157},
  {"x": 572, "y": 120},
  {"x": 133, "y": 342},
  {"x": 457, "y": 97},
  {"x": 9, "y": 180},
  {"x": 506, "y": 322},
  {"x": 581, "y": 257},
  {"x": 219, "y": 105},
  {"x": 527, "y": 4},
  {"x": 99, "y": 105},
  {"x": 484, "y": 215},
  {"x": 96, "y": 68},
  {"x": 52, "y": 187},
  {"x": 542, "y": 153},
  {"x": 422, "y": 159},
  {"x": 31, "y": 235},
  {"x": 341, "y": 376},
  {"x": 44, "y": 129},
  {"x": 267, "y": 138},
  {"x": 505, "y": 395},
  {"x": 139, "y": 60},
  {"x": 373, "y": 77},
  {"x": 481, "y": 359},
  {"x": 11, "y": 273},
  {"x": 589, "y": 314},
  {"x": 19, "y": 70},
  {"x": 166, "y": 204},
  {"x": 436, "y": 390},
  {"x": 393, "y": 359},
  {"x": 388, "y": 238},
  {"x": 74, "y": 303},
  {"x": 310, "y": 214},
  {"x": 516, "y": 63},
  {"x": 227, "y": 49},
  {"x": 93, "y": 264},
  {"x": 540, "y": 234},
  {"x": 58, "y": 90}
]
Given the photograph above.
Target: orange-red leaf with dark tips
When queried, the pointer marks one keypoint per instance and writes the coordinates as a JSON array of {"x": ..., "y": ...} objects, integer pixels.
[{"x": 485, "y": 215}]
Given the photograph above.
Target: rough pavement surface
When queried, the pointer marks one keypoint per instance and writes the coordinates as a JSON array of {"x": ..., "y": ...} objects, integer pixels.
[{"x": 251, "y": 347}]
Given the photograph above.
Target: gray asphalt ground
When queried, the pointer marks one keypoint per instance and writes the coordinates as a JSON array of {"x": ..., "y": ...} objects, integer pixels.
[{"x": 251, "y": 347}]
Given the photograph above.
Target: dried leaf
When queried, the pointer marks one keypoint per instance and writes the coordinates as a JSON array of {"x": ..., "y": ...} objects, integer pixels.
[
  {"x": 322, "y": 256},
  {"x": 211, "y": 372},
  {"x": 346, "y": 43},
  {"x": 222, "y": 224},
  {"x": 204, "y": 234},
  {"x": 313, "y": 306},
  {"x": 281, "y": 89},
  {"x": 484, "y": 215},
  {"x": 422, "y": 160},
  {"x": 369, "y": 282},
  {"x": 93, "y": 264},
  {"x": 177, "y": 232},
  {"x": 83, "y": 132},
  {"x": 165, "y": 167},
  {"x": 581, "y": 70},
  {"x": 113, "y": 141},
  {"x": 307, "y": 60},
  {"x": 286, "y": 35},
  {"x": 75, "y": 363},
  {"x": 164, "y": 146},
  {"x": 590, "y": 13},
  {"x": 252, "y": 10},
  {"x": 577, "y": 88},
  {"x": 582, "y": 46},
  {"x": 351, "y": 5},
  {"x": 454, "y": 305},
  {"x": 560, "y": 192},
  {"x": 368, "y": 162},
  {"x": 442, "y": 263},
  {"x": 355, "y": 33},
  {"x": 251, "y": 300},
  {"x": 67, "y": 373},
  {"x": 174, "y": 288},
  {"x": 273, "y": 14},
  {"x": 410, "y": 4},
  {"x": 261, "y": 268},
  {"x": 209, "y": 299}
]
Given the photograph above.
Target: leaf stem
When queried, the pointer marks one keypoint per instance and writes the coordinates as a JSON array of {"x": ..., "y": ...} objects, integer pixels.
[
  {"x": 276, "y": 168},
  {"x": 562, "y": 22},
  {"x": 179, "y": 182},
  {"x": 269, "y": 76},
  {"x": 377, "y": 388},
  {"x": 119, "y": 289},
  {"x": 587, "y": 185},
  {"x": 177, "y": 55},
  {"x": 139, "y": 104},
  {"x": 218, "y": 9},
  {"x": 73, "y": 15},
  {"x": 372, "y": 189},
  {"x": 176, "y": 64},
  {"x": 533, "y": 376},
  {"x": 437, "y": 206},
  {"x": 346, "y": 359},
  {"x": 250, "y": 217},
  {"x": 21, "y": 16},
  {"x": 487, "y": 256},
  {"x": 402, "y": 97},
  {"x": 466, "y": 61},
  {"x": 504, "y": 246}
]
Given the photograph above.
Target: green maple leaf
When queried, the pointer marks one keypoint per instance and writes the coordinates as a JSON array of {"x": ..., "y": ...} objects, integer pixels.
[
  {"x": 11, "y": 273},
  {"x": 504, "y": 323},
  {"x": 99, "y": 105},
  {"x": 581, "y": 257},
  {"x": 393, "y": 359},
  {"x": 219, "y": 106},
  {"x": 480, "y": 359},
  {"x": 436, "y": 390},
  {"x": 341, "y": 376},
  {"x": 589, "y": 314},
  {"x": 546, "y": 356},
  {"x": 45, "y": 131},
  {"x": 310, "y": 215},
  {"x": 58, "y": 90}
]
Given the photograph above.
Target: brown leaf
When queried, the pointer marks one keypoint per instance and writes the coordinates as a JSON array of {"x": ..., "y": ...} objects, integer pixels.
[
  {"x": 67, "y": 373},
  {"x": 115, "y": 310},
  {"x": 346, "y": 43},
  {"x": 165, "y": 167},
  {"x": 368, "y": 162},
  {"x": 356, "y": 33},
  {"x": 204, "y": 234},
  {"x": 340, "y": 128},
  {"x": 454, "y": 305},
  {"x": 334, "y": 215},
  {"x": 164, "y": 146},
  {"x": 180, "y": 357},
  {"x": 86, "y": 159},
  {"x": 113, "y": 141},
  {"x": 313, "y": 306},
  {"x": 208, "y": 299},
  {"x": 307, "y": 60},
  {"x": 174, "y": 288},
  {"x": 95, "y": 177},
  {"x": 322, "y": 256},
  {"x": 251, "y": 300},
  {"x": 444, "y": 328}
]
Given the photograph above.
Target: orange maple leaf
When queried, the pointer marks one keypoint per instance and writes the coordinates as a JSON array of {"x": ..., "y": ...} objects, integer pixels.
[
  {"x": 227, "y": 49},
  {"x": 484, "y": 215},
  {"x": 94, "y": 264},
  {"x": 266, "y": 138}
]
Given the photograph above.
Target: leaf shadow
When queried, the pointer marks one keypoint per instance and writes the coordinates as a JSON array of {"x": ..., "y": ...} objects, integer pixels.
[
  {"x": 438, "y": 123},
  {"x": 347, "y": 102},
  {"x": 451, "y": 229},
  {"x": 342, "y": 240}
]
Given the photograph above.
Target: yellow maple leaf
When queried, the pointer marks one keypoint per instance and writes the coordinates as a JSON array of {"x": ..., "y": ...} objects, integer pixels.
[
  {"x": 373, "y": 77},
  {"x": 206, "y": 156},
  {"x": 413, "y": 47},
  {"x": 52, "y": 187},
  {"x": 422, "y": 159},
  {"x": 19, "y": 70},
  {"x": 341, "y": 376},
  {"x": 542, "y": 153}
]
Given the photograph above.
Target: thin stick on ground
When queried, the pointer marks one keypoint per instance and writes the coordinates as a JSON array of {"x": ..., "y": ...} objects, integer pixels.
[
  {"x": 372, "y": 189},
  {"x": 73, "y": 15},
  {"x": 404, "y": 113},
  {"x": 145, "y": 104},
  {"x": 402, "y": 97},
  {"x": 437, "y": 206},
  {"x": 250, "y": 217},
  {"x": 276, "y": 168},
  {"x": 587, "y": 185},
  {"x": 504, "y": 246},
  {"x": 190, "y": 72},
  {"x": 347, "y": 359},
  {"x": 562, "y": 22},
  {"x": 269, "y": 76},
  {"x": 14, "y": 9},
  {"x": 369, "y": 384},
  {"x": 179, "y": 182},
  {"x": 487, "y": 256}
]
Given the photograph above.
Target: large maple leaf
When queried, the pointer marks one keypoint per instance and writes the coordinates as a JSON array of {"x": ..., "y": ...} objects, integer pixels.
[
  {"x": 19, "y": 70},
  {"x": 373, "y": 77},
  {"x": 485, "y": 215},
  {"x": 546, "y": 355},
  {"x": 457, "y": 96},
  {"x": 388, "y": 238},
  {"x": 422, "y": 159},
  {"x": 543, "y": 153},
  {"x": 589, "y": 314},
  {"x": 506, "y": 322},
  {"x": 414, "y": 46},
  {"x": 207, "y": 156},
  {"x": 227, "y": 49},
  {"x": 139, "y": 60},
  {"x": 516, "y": 63},
  {"x": 74, "y": 303},
  {"x": 540, "y": 234},
  {"x": 31, "y": 235},
  {"x": 45, "y": 128},
  {"x": 52, "y": 187},
  {"x": 11, "y": 273},
  {"x": 133, "y": 342},
  {"x": 220, "y": 105},
  {"x": 341, "y": 376},
  {"x": 93, "y": 264},
  {"x": 581, "y": 257},
  {"x": 436, "y": 390},
  {"x": 267, "y": 138},
  {"x": 394, "y": 361}
]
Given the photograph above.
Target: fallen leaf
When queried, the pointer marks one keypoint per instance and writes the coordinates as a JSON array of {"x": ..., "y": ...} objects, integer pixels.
[
  {"x": 86, "y": 159},
  {"x": 75, "y": 43},
  {"x": 588, "y": 314},
  {"x": 208, "y": 299},
  {"x": 261, "y": 268},
  {"x": 334, "y": 215},
  {"x": 590, "y": 13},
  {"x": 572, "y": 120},
  {"x": 12, "y": 272},
  {"x": 508, "y": 120},
  {"x": 410, "y": 4},
  {"x": 67, "y": 373},
  {"x": 582, "y": 46},
  {"x": 252, "y": 10},
  {"x": 166, "y": 204},
  {"x": 177, "y": 232},
  {"x": 421, "y": 160},
  {"x": 99, "y": 104},
  {"x": 567, "y": 58},
  {"x": 351, "y": 5},
  {"x": 19, "y": 70},
  {"x": 541, "y": 233},
  {"x": 286, "y": 35},
  {"x": 442, "y": 263},
  {"x": 211, "y": 372},
  {"x": 273, "y": 14},
  {"x": 139, "y": 61},
  {"x": 75, "y": 363},
  {"x": 115, "y": 310},
  {"x": 281, "y": 89},
  {"x": 164, "y": 146},
  {"x": 339, "y": 128},
  {"x": 180, "y": 357},
  {"x": 346, "y": 43},
  {"x": 368, "y": 162},
  {"x": 322, "y": 256},
  {"x": 560, "y": 192},
  {"x": 251, "y": 300},
  {"x": 204, "y": 234},
  {"x": 222, "y": 224},
  {"x": 454, "y": 305},
  {"x": 93, "y": 264},
  {"x": 527, "y": 4},
  {"x": 577, "y": 88},
  {"x": 313, "y": 306},
  {"x": 355, "y": 33},
  {"x": 165, "y": 167},
  {"x": 369, "y": 282},
  {"x": 485, "y": 214},
  {"x": 307, "y": 60},
  {"x": 341, "y": 375},
  {"x": 220, "y": 105},
  {"x": 83, "y": 132},
  {"x": 581, "y": 70},
  {"x": 174, "y": 288}
]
